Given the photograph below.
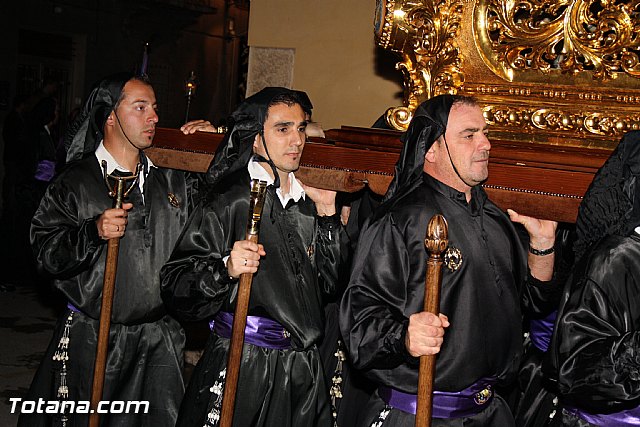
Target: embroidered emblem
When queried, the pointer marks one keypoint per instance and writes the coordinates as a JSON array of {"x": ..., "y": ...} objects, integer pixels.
[
  {"x": 483, "y": 396},
  {"x": 453, "y": 258},
  {"x": 310, "y": 251},
  {"x": 173, "y": 200},
  {"x": 286, "y": 333}
]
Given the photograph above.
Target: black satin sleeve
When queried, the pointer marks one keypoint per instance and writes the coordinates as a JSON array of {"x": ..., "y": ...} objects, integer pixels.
[
  {"x": 64, "y": 245},
  {"x": 372, "y": 317},
  {"x": 195, "y": 186},
  {"x": 195, "y": 282},
  {"x": 597, "y": 345},
  {"x": 540, "y": 298},
  {"x": 333, "y": 256}
]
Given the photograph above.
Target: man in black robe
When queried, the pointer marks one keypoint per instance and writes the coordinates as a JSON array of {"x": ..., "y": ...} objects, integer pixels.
[
  {"x": 596, "y": 342},
  {"x": 296, "y": 267},
  {"x": 485, "y": 278},
  {"x": 69, "y": 233}
]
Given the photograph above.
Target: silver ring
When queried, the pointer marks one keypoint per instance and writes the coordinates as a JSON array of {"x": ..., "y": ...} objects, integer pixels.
[{"x": 245, "y": 262}]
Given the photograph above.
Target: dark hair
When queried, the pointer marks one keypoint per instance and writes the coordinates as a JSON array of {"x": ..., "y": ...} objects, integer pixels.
[
  {"x": 143, "y": 79},
  {"x": 290, "y": 99},
  {"x": 464, "y": 100}
]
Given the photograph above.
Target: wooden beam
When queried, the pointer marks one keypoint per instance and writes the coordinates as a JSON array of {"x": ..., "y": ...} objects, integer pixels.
[{"x": 542, "y": 180}]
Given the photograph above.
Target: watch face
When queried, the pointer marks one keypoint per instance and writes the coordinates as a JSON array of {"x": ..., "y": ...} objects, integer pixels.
[{"x": 378, "y": 23}]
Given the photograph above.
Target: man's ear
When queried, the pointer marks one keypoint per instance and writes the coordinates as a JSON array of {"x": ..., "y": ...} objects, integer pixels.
[
  {"x": 111, "y": 119},
  {"x": 430, "y": 155}
]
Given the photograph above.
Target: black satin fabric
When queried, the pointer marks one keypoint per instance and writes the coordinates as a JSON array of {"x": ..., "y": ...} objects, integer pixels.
[
  {"x": 67, "y": 246},
  {"x": 87, "y": 130},
  {"x": 145, "y": 344},
  {"x": 596, "y": 342},
  {"x": 535, "y": 397},
  {"x": 482, "y": 299},
  {"x": 144, "y": 363},
  {"x": 536, "y": 404},
  {"x": 283, "y": 388},
  {"x": 298, "y": 275},
  {"x": 247, "y": 121},
  {"x": 611, "y": 204},
  {"x": 496, "y": 414}
]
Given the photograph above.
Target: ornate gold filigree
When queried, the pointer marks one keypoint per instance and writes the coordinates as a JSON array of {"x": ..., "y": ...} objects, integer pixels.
[
  {"x": 521, "y": 119},
  {"x": 598, "y": 36},
  {"x": 424, "y": 34}
]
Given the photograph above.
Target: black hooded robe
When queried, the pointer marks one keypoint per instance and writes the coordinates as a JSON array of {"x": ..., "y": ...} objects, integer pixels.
[
  {"x": 483, "y": 297},
  {"x": 145, "y": 344},
  {"x": 598, "y": 334},
  {"x": 595, "y": 346},
  {"x": 144, "y": 361},
  {"x": 305, "y": 255},
  {"x": 284, "y": 388}
]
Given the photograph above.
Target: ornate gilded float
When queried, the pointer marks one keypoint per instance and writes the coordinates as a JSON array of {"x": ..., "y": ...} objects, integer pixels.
[{"x": 561, "y": 72}]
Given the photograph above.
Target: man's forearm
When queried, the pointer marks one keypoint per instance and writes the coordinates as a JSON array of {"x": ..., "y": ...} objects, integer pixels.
[{"x": 540, "y": 260}]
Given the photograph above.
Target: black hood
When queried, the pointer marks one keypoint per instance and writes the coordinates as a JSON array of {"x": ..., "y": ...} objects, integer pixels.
[
  {"x": 87, "y": 130},
  {"x": 428, "y": 124},
  {"x": 611, "y": 204},
  {"x": 245, "y": 123}
]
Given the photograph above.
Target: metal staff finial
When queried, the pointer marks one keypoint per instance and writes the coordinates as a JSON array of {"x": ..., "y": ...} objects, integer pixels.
[{"x": 117, "y": 189}]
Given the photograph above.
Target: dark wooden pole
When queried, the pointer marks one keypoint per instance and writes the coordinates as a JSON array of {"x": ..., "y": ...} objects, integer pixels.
[
  {"x": 436, "y": 243},
  {"x": 111, "y": 266},
  {"x": 242, "y": 307},
  {"x": 108, "y": 286}
]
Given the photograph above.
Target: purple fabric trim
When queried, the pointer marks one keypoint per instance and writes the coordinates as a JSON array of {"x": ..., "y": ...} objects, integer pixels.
[
  {"x": 45, "y": 170},
  {"x": 541, "y": 331},
  {"x": 73, "y": 308},
  {"x": 630, "y": 417},
  {"x": 259, "y": 331},
  {"x": 464, "y": 403}
]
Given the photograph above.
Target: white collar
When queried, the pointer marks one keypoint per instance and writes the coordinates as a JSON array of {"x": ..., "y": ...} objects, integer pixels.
[
  {"x": 112, "y": 164},
  {"x": 296, "y": 192}
]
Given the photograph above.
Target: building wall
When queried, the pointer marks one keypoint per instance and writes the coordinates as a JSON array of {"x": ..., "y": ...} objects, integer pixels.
[
  {"x": 349, "y": 80},
  {"x": 114, "y": 34}
]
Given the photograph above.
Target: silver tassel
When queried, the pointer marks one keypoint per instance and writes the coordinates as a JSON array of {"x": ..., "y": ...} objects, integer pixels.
[
  {"x": 217, "y": 389},
  {"x": 336, "y": 387},
  {"x": 61, "y": 355}
]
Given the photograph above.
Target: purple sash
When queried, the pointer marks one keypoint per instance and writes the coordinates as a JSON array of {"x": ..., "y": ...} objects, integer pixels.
[
  {"x": 465, "y": 403},
  {"x": 259, "y": 331},
  {"x": 541, "y": 331},
  {"x": 45, "y": 170},
  {"x": 73, "y": 308},
  {"x": 630, "y": 417}
]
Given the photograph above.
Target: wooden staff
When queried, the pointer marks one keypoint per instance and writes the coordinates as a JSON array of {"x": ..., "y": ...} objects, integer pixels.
[
  {"x": 118, "y": 193},
  {"x": 258, "y": 189},
  {"x": 436, "y": 243}
]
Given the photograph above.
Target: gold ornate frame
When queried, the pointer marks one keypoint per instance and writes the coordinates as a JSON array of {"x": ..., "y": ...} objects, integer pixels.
[{"x": 563, "y": 72}]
